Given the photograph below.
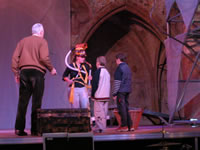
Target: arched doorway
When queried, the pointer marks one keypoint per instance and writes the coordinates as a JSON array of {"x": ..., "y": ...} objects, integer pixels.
[{"x": 126, "y": 32}]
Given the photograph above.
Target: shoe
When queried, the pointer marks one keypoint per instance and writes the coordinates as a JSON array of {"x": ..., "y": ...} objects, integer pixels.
[
  {"x": 132, "y": 129},
  {"x": 122, "y": 129},
  {"x": 97, "y": 130},
  {"x": 20, "y": 133},
  {"x": 100, "y": 130}
]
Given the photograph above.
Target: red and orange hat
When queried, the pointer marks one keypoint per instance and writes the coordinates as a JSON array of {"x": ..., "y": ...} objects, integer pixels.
[{"x": 80, "y": 49}]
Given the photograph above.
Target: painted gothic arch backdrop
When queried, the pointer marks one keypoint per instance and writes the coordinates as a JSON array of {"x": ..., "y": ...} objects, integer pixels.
[{"x": 122, "y": 30}]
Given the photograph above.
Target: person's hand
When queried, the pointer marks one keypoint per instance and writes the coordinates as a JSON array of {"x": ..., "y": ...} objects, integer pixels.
[
  {"x": 70, "y": 82},
  {"x": 89, "y": 77},
  {"x": 114, "y": 98},
  {"x": 17, "y": 79},
  {"x": 53, "y": 72}
]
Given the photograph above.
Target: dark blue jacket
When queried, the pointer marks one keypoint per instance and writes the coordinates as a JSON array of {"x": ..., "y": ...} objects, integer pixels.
[{"x": 122, "y": 79}]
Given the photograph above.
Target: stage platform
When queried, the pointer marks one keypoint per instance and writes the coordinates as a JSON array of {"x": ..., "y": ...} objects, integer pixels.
[{"x": 145, "y": 137}]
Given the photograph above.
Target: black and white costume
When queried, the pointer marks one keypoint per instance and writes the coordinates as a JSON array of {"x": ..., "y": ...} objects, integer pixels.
[{"x": 101, "y": 96}]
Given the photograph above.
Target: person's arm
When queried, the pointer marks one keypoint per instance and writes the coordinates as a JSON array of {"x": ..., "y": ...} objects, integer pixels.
[
  {"x": 65, "y": 76},
  {"x": 89, "y": 70},
  {"x": 44, "y": 57},
  {"x": 15, "y": 62},
  {"x": 117, "y": 81},
  {"x": 95, "y": 81}
]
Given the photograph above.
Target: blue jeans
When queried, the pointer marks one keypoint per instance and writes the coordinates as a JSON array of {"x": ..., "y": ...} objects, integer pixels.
[{"x": 122, "y": 105}]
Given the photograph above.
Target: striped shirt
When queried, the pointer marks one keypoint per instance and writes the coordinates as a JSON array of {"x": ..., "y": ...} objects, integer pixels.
[{"x": 122, "y": 79}]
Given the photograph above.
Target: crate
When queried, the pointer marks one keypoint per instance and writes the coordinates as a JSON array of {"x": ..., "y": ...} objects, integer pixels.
[{"x": 135, "y": 113}]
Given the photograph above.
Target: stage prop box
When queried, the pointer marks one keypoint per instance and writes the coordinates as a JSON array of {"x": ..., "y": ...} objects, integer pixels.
[
  {"x": 135, "y": 113},
  {"x": 63, "y": 120}
]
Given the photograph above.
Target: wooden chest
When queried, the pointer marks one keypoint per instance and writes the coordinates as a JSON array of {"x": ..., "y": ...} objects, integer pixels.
[{"x": 63, "y": 120}]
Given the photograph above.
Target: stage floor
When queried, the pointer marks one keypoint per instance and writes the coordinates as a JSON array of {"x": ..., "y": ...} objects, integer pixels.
[
  {"x": 151, "y": 135},
  {"x": 110, "y": 134}
]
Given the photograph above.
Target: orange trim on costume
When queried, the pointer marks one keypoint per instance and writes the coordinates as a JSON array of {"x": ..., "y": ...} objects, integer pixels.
[{"x": 81, "y": 46}]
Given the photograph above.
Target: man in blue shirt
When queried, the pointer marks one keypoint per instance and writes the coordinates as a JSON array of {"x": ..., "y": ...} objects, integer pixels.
[{"x": 121, "y": 91}]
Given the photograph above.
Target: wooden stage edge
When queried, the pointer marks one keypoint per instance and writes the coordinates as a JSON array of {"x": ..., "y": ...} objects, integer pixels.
[{"x": 110, "y": 134}]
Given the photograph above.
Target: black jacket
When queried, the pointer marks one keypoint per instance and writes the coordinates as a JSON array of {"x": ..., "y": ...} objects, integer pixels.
[{"x": 122, "y": 79}]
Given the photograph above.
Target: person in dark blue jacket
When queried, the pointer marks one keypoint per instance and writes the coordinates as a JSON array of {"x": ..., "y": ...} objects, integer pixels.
[{"x": 121, "y": 91}]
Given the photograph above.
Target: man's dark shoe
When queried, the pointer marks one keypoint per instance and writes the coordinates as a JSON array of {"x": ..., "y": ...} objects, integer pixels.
[
  {"x": 132, "y": 129},
  {"x": 100, "y": 130},
  {"x": 20, "y": 133}
]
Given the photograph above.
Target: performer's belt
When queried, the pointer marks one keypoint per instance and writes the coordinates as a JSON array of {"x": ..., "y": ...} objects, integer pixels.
[
  {"x": 102, "y": 99},
  {"x": 31, "y": 67}
]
